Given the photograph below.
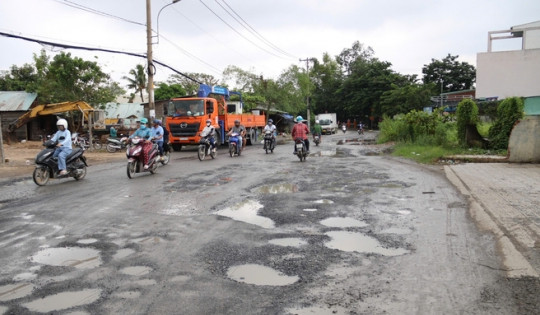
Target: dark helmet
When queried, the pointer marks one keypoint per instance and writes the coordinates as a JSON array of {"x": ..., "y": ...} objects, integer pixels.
[
  {"x": 157, "y": 122},
  {"x": 270, "y": 121},
  {"x": 237, "y": 122}
]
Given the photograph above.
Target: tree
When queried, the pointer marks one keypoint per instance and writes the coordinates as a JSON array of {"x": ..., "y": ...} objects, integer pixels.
[
  {"x": 452, "y": 74},
  {"x": 467, "y": 114},
  {"x": 167, "y": 91},
  {"x": 348, "y": 56},
  {"x": 137, "y": 81},
  {"x": 327, "y": 79},
  {"x": 19, "y": 78},
  {"x": 509, "y": 112},
  {"x": 403, "y": 99},
  {"x": 191, "y": 87}
]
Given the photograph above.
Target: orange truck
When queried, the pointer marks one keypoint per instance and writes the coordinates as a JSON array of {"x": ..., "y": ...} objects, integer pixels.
[{"x": 186, "y": 117}]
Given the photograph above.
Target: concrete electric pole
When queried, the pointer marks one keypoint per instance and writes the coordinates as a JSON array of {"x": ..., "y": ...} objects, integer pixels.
[
  {"x": 150, "y": 69},
  {"x": 307, "y": 60}
]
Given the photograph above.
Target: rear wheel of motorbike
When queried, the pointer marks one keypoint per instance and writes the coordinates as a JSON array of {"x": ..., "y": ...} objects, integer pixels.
[
  {"x": 231, "y": 150},
  {"x": 131, "y": 169},
  {"x": 110, "y": 148},
  {"x": 201, "y": 153},
  {"x": 41, "y": 176},
  {"x": 154, "y": 168},
  {"x": 213, "y": 153},
  {"x": 166, "y": 158},
  {"x": 81, "y": 173},
  {"x": 97, "y": 145}
]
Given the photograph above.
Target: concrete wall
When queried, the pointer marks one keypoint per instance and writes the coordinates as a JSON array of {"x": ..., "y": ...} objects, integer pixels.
[
  {"x": 524, "y": 142},
  {"x": 508, "y": 73}
]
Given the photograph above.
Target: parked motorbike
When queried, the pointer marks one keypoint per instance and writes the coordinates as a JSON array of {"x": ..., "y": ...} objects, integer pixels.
[
  {"x": 47, "y": 165},
  {"x": 269, "y": 141},
  {"x": 300, "y": 149},
  {"x": 233, "y": 144},
  {"x": 317, "y": 139},
  {"x": 205, "y": 148},
  {"x": 115, "y": 144},
  {"x": 166, "y": 154},
  {"x": 83, "y": 142},
  {"x": 134, "y": 154}
]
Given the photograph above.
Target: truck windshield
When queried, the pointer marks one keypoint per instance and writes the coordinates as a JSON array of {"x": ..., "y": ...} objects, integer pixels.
[
  {"x": 179, "y": 108},
  {"x": 325, "y": 122}
]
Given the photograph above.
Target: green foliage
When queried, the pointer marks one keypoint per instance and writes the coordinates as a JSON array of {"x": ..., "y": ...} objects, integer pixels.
[
  {"x": 454, "y": 75},
  {"x": 137, "y": 81},
  {"x": 508, "y": 113},
  {"x": 166, "y": 91},
  {"x": 415, "y": 127},
  {"x": 467, "y": 114},
  {"x": 402, "y": 99},
  {"x": 426, "y": 154}
]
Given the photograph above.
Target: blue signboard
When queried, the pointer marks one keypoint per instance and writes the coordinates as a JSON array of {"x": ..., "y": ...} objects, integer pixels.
[{"x": 220, "y": 90}]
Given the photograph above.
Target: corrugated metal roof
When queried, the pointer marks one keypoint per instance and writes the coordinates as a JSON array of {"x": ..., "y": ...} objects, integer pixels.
[
  {"x": 114, "y": 110},
  {"x": 16, "y": 101}
]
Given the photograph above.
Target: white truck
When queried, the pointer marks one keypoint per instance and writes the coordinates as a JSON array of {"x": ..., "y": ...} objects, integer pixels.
[{"x": 328, "y": 122}]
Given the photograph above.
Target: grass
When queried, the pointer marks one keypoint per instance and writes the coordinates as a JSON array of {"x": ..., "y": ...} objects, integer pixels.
[{"x": 429, "y": 154}]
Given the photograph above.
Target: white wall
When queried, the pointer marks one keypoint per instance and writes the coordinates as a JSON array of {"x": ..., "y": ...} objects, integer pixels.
[{"x": 508, "y": 73}]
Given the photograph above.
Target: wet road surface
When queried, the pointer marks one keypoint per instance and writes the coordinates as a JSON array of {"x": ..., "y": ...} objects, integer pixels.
[{"x": 346, "y": 232}]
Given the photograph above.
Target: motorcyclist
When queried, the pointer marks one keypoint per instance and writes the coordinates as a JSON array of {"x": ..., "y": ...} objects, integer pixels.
[
  {"x": 240, "y": 130},
  {"x": 157, "y": 135},
  {"x": 210, "y": 131},
  {"x": 300, "y": 130},
  {"x": 317, "y": 130},
  {"x": 63, "y": 148},
  {"x": 272, "y": 128},
  {"x": 146, "y": 134}
]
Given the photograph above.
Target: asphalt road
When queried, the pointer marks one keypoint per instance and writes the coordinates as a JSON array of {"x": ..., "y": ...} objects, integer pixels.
[{"x": 346, "y": 232}]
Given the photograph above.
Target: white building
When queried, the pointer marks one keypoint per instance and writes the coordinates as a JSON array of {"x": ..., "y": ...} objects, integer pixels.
[{"x": 508, "y": 73}]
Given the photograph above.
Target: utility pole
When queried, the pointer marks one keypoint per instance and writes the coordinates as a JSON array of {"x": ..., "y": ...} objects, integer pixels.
[
  {"x": 150, "y": 87},
  {"x": 2, "y": 143},
  {"x": 307, "y": 60}
]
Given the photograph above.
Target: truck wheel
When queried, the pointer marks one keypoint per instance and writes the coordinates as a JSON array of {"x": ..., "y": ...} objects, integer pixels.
[{"x": 176, "y": 147}]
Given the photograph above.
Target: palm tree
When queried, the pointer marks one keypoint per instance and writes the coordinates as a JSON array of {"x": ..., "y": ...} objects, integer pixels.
[{"x": 137, "y": 80}]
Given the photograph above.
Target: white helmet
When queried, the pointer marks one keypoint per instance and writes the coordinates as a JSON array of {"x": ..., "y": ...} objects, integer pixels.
[
  {"x": 316, "y": 121},
  {"x": 62, "y": 122}
]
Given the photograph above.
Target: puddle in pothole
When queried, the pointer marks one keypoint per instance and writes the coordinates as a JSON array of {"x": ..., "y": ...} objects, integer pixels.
[
  {"x": 323, "y": 201},
  {"x": 341, "y": 222},
  {"x": 81, "y": 258},
  {"x": 123, "y": 253},
  {"x": 277, "y": 189},
  {"x": 395, "y": 230},
  {"x": 87, "y": 241},
  {"x": 64, "y": 300},
  {"x": 309, "y": 210},
  {"x": 247, "y": 211},
  {"x": 259, "y": 275},
  {"x": 358, "y": 242},
  {"x": 326, "y": 153},
  {"x": 136, "y": 270},
  {"x": 15, "y": 291},
  {"x": 25, "y": 276},
  {"x": 289, "y": 241}
]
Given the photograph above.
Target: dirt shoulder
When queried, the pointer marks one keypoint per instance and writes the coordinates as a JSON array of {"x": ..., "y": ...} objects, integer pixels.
[{"x": 20, "y": 158}]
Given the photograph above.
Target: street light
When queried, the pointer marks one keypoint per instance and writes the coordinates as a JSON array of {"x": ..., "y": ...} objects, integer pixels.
[
  {"x": 159, "y": 13},
  {"x": 150, "y": 86}
]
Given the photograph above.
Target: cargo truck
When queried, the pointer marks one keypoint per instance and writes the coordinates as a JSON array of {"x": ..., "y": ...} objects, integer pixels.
[
  {"x": 186, "y": 116},
  {"x": 328, "y": 122}
]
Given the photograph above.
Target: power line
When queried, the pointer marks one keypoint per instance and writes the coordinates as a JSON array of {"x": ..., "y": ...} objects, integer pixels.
[
  {"x": 248, "y": 27},
  {"x": 41, "y": 42},
  {"x": 91, "y": 10},
  {"x": 240, "y": 34}
]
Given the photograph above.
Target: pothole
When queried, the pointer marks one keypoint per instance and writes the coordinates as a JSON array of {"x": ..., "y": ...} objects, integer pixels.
[
  {"x": 87, "y": 241},
  {"x": 247, "y": 212},
  {"x": 136, "y": 270},
  {"x": 15, "y": 291},
  {"x": 323, "y": 201},
  {"x": 81, "y": 258},
  {"x": 277, "y": 189},
  {"x": 259, "y": 275},
  {"x": 358, "y": 242},
  {"x": 310, "y": 210},
  {"x": 64, "y": 300},
  {"x": 341, "y": 222},
  {"x": 123, "y": 253},
  {"x": 289, "y": 241}
]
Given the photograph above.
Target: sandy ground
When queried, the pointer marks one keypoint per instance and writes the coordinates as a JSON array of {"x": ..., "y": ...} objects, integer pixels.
[{"x": 20, "y": 157}]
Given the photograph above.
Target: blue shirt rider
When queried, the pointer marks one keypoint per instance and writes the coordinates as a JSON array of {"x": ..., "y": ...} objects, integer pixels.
[
  {"x": 157, "y": 135},
  {"x": 146, "y": 134},
  {"x": 63, "y": 148}
]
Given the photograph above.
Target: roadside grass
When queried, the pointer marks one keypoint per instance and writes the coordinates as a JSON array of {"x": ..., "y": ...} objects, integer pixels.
[{"x": 430, "y": 154}]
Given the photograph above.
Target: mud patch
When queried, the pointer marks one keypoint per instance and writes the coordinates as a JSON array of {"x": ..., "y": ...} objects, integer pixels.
[
  {"x": 395, "y": 230},
  {"x": 80, "y": 258},
  {"x": 123, "y": 253},
  {"x": 64, "y": 300},
  {"x": 259, "y": 275},
  {"x": 128, "y": 295},
  {"x": 247, "y": 212},
  {"x": 277, "y": 189},
  {"x": 291, "y": 241},
  {"x": 136, "y": 270},
  {"x": 341, "y": 222},
  {"x": 315, "y": 310},
  {"x": 358, "y": 242}
]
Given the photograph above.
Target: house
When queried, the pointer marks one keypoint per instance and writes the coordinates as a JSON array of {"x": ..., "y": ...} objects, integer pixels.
[
  {"x": 506, "y": 73},
  {"x": 12, "y": 106},
  {"x": 124, "y": 115}
]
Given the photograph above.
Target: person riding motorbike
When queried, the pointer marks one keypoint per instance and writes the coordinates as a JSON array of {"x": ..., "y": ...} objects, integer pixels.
[
  {"x": 272, "y": 128},
  {"x": 211, "y": 131},
  {"x": 158, "y": 134},
  {"x": 63, "y": 148},
  {"x": 300, "y": 130},
  {"x": 241, "y": 131},
  {"x": 317, "y": 130},
  {"x": 146, "y": 134}
]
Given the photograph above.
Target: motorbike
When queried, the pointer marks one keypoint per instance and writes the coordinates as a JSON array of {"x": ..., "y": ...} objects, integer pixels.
[
  {"x": 233, "y": 144},
  {"x": 317, "y": 139},
  {"x": 205, "y": 148},
  {"x": 360, "y": 131},
  {"x": 115, "y": 144},
  {"x": 134, "y": 155},
  {"x": 269, "y": 141},
  {"x": 166, "y": 154},
  {"x": 344, "y": 128},
  {"x": 300, "y": 149},
  {"x": 47, "y": 165},
  {"x": 83, "y": 142}
]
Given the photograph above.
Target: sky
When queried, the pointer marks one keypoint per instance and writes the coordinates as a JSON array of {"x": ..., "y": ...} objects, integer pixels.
[{"x": 200, "y": 36}]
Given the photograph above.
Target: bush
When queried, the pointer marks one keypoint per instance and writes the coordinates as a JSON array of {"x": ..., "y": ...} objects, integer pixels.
[
  {"x": 467, "y": 114},
  {"x": 509, "y": 112},
  {"x": 415, "y": 127}
]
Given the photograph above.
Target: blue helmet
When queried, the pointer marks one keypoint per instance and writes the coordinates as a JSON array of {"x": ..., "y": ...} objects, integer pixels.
[{"x": 299, "y": 118}]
